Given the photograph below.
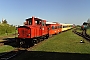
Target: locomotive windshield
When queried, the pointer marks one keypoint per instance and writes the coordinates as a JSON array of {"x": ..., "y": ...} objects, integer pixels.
[
  {"x": 29, "y": 21},
  {"x": 40, "y": 22},
  {"x": 37, "y": 22}
]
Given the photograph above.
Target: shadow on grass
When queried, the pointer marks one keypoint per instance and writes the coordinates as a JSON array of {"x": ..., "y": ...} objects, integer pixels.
[
  {"x": 42, "y": 55},
  {"x": 12, "y": 42}
]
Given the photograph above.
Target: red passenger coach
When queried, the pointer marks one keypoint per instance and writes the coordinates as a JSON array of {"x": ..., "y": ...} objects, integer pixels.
[
  {"x": 50, "y": 26},
  {"x": 54, "y": 28},
  {"x": 33, "y": 28},
  {"x": 58, "y": 28}
]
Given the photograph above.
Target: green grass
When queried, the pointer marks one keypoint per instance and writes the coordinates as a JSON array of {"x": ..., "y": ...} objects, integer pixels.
[
  {"x": 79, "y": 30},
  {"x": 65, "y": 45},
  {"x": 5, "y": 48},
  {"x": 64, "y": 42},
  {"x": 88, "y": 31}
]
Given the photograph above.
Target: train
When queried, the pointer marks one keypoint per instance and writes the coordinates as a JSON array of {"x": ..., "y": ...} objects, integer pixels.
[{"x": 35, "y": 29}]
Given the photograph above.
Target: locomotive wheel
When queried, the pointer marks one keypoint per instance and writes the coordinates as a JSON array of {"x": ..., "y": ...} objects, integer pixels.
[{"x": 35, "y": 41}]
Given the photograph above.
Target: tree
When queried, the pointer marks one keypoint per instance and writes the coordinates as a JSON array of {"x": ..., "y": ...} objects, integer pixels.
[{"x": 4, "y": 21}]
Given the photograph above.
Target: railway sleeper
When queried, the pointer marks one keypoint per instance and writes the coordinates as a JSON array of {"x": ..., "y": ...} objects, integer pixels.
[{"x": 11, "y": 55}]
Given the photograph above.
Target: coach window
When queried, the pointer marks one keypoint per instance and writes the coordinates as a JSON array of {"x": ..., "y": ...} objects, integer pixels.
[
  {"x": 55, "y": 27},
  {"x": 52, "y": 27},
  {"x": 64, "y": 26},
  {"x": 59, "y": 26}
]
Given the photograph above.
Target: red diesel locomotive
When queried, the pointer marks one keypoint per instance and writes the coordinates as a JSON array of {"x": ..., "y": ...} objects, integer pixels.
[{"x": 32, "y": 30}]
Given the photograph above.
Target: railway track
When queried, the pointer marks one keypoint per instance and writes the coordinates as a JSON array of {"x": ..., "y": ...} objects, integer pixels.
[
  {"x": 12, "y": 54},
  {"x": 85, "y": 36}
]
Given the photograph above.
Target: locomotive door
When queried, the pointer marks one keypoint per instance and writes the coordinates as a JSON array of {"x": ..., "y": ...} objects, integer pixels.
[{"x": 43, "y": 28}]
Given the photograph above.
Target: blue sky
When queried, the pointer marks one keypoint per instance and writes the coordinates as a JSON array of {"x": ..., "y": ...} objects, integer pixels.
[{"x": 62, "y": 11}]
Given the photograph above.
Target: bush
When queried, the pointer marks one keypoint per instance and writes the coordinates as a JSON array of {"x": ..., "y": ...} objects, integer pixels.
[{"x": 6, "y": 28}]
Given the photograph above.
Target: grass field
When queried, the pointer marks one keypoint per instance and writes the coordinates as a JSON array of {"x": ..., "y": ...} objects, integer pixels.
[
  {"x": 5, "y": 48},
  {"x": 65, "y": 45},
  {"x": 88, "y": 31},
  {"x": 64, "y": 42}
]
